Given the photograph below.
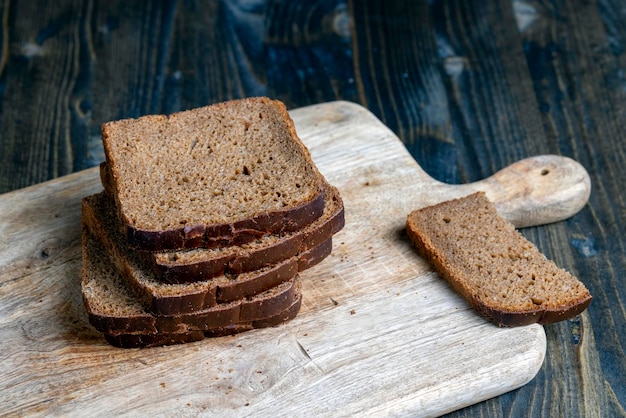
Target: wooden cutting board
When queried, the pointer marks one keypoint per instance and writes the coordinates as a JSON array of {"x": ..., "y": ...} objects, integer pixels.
[{"x": 378, "y": 334}]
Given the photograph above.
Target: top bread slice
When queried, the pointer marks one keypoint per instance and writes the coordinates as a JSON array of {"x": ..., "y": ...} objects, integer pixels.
[
  {"x": 218, "y": 175},
  {"x": 503, "y": 276}
]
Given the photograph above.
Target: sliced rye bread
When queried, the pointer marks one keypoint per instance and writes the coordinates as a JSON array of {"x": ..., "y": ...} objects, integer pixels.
[
  {"x": 502, "y": 275},
  {"x": 163, "y": 298},
  {"x": 170, "y": 174},
  {"x": 201, "y": 263},
  {"x": 145, "y": 340},
  {"x": 113, "y": 308}
]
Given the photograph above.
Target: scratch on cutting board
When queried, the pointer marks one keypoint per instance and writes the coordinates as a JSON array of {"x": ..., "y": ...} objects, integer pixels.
[{"x": 306, "y": 354}]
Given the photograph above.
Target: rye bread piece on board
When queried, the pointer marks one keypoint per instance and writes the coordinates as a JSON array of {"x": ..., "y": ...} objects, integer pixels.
[
  {"x": 113, "y": 308},
  {"x": 502, "y": 275},
  {"x": 212, "y": 176},
  {"x": 190, "y": 265},
  {"x": 143, "y": 340},
  {"x": 162, "y": 298}
]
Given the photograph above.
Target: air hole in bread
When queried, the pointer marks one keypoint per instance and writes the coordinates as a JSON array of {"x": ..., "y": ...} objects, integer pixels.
[{"x": 172, "y": 256}]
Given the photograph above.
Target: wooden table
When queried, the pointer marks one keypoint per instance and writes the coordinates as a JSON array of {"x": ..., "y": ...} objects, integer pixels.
[{"x": 469, "y": 87}]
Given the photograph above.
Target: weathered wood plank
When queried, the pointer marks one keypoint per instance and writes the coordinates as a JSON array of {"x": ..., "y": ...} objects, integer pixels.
[
  {"x": 575, "y": 53},
  {"x": 308, "y": 51},
  {"x": 496, "y": 117},
  {"x": 399, "y": 79},
  {"x": 40, "y": 68}
]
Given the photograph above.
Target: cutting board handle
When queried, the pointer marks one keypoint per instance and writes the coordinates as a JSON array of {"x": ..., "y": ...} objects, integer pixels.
[{"x": 537, "y": 190}]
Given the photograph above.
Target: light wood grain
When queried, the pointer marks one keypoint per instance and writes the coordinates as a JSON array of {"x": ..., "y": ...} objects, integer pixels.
[{"x": 379, "y": 333}]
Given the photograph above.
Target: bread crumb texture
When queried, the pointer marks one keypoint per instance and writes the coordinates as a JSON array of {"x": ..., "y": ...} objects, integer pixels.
[
  {"x": 242, "y": 157},
  {"x": 485, "y": 259}
]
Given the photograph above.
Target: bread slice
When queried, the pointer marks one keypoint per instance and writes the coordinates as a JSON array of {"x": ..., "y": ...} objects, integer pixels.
[
  {"x": 182, "y": 266},
  {"x": 202, "y": 264},
  {"x": 212, "y": 176},
  {"x": 144, "y": 340},
  {"x": 163, "y": 298},
  {"x": 113, "y": 309},
  {"x": 487, "y": 261}
]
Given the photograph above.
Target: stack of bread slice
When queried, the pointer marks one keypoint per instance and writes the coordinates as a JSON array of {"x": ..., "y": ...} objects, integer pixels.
[{"x": 205, "y": 220}]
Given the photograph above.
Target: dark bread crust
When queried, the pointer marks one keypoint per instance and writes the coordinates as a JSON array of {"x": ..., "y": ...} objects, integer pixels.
[
  {"x": 144, "y": 340},
  {"x": 240, "y": 260},
  {"x": 193, "y": 297},
  {"x": 543, "y": 317},
  {"x": 212, "y": 235},
  {"x": 315, "y": 255},
  {"x": 152, "y": 340},
  {"x": 238, "y": 289},
  {"x": 455, "y": 276}
]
